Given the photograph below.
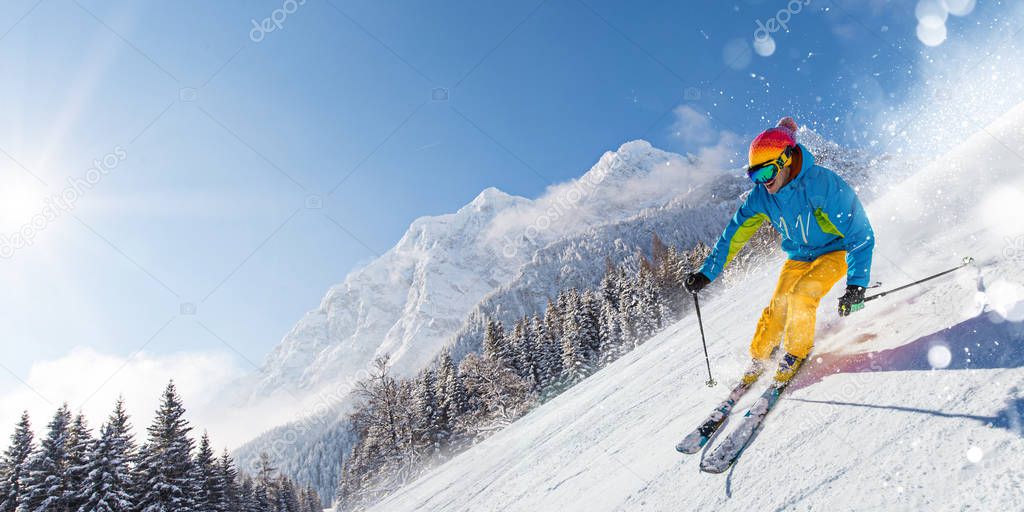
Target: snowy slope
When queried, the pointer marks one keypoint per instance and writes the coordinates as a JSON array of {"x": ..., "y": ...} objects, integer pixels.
[{"x": 913, "y": 404}]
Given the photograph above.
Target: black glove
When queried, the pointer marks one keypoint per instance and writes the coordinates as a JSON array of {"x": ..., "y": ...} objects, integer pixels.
[
  {"x": 852, "y": 301},
  {"x": 695, "y": 282}
]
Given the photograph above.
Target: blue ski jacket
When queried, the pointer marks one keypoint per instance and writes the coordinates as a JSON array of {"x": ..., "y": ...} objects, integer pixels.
[{"x": 816, "y": 213}]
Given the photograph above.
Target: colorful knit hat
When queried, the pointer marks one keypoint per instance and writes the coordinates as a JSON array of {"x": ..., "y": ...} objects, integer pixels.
[{"x": 773, "y": 141}]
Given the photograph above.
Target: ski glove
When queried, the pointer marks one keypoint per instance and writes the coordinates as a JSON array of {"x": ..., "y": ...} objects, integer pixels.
[
  {"x": 852, "y": 301},
  {"x": 696, "y": 282}
]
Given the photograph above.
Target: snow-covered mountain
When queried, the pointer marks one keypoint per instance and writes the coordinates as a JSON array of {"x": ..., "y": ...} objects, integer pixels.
[
  {"x": 404, "y": 302},
  {"x": 915, "y": 403},
  {"x": 414, "y": 298}
]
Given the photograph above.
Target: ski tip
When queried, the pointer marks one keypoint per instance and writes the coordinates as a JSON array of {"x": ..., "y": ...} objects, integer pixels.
[
  {"x": 692, "y": 443},
  {"x": 688, "y": 450},
  {"x": 714, "y": 470}
]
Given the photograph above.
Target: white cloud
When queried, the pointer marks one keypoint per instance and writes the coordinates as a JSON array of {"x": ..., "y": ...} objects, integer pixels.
[
  {"x": 692, "y": 128},
  {"x": 91, "y": 381}
]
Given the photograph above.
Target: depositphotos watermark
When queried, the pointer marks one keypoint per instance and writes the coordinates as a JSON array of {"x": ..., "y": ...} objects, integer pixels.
[
  {"x": 275, "y": 21},
  {"x": 780, "y": 21},
  {"x": 1014, "y": 249},
  {"x": 57, "y": 204}
]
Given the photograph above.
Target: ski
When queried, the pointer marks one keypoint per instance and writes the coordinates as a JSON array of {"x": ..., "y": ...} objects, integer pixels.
[
  {"x": 696, "y": 440},
  {"x": 729, "y": 450}
]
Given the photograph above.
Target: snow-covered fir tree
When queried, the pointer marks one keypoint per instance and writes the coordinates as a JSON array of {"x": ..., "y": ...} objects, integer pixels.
[
  {"x": 496, "y": 345},
  {"x": 164, "y": 476},
  {"x": 264, "y": 497},
  {"x": 228, "y": 498},
  {"x": 14, "y": 465},
  {"x": 287, "y": 496},
  {"x": 247, "y": 494},
  {"x": 261, "y": 501},
  {"x": 311, "y": 500},
  {"x": 576, "y": 362},
  {"x": 553, "y": 318},
  {"x": 108, "y": 485},
  {"x": 207, "y": 486},
  {"x": 80, "y": 446},
  {"x": 527, "y": 352},
  {"x": 590, "y": 317},
  {"x": 451, "y": 397},
  {"x": 610, "y": 332},
  {"x": 628, "y": 304},
  {"x": 44, "y": 487},
  {"x": 427, "y": 422},
  {"x": 646, "y": 307},
  {"x": 549, "y": 355}
]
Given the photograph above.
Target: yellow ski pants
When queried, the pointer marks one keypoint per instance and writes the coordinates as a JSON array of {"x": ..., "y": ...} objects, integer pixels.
[{"x": 794, "y": 305}]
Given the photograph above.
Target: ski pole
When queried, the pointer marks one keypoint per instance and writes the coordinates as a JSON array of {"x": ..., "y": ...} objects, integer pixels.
[
  {"x": 967, "y": 261},
  {"x": 696, "y": 305}
]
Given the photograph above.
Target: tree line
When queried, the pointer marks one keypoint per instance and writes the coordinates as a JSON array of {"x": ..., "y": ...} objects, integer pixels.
[
  {"x": 404, "y": 426},
  {"x": 70, "y": 470}
]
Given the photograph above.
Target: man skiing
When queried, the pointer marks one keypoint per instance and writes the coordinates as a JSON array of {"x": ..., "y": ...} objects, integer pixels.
[{"x": 825, "y": 233}]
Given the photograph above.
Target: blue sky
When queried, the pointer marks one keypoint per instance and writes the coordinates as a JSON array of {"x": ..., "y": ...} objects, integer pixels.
[{"x": 225, "y": 148}]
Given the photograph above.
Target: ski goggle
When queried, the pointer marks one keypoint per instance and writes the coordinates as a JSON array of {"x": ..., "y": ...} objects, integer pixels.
[{"x": 766, "y": 171}]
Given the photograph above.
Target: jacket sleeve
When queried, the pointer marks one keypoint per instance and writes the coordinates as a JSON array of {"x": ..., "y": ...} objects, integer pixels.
[
  {"x": 852, "y": 222},
  {"x": 743, "y": 225}
]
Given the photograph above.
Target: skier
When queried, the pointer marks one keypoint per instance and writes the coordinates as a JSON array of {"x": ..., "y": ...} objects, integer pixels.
[{"x": 825, "y": 232}]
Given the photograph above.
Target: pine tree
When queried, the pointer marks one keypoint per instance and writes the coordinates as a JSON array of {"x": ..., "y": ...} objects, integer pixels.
[
  {"x": 164, "y": 481},
  {"x": 345, "y": 484},
  {"x": 628, "y": 304},
  {"x": 609, "y": 288},
  {"x": 311, "y": 500},
  {"x": 450, "y": 404},
  {"x": 550, "y": 354},
  {"x": 496, "y": 345},
  {"x": 263, "y": 492},
  {"x": 427, "y": 430},
  {"x": 553, "y": 318},
  {"x": 44, "y": 487},
  {"x": 205, "y": 477},
  {"x": 454, "y": 400},
  {"x": 527, "y": 355},
  {"x": 646, "y": 309},
  {"x": 288, "y": 498},
  {"x": 229, "y": 496},
  {"x": 611, "y": 333},
  {"x": 15, "y": 464},
  {"x": 108, "y": 482},
  {"x": 590, "y": 333},
  {"x": 247, "y": 495},
  {"x": 80, "y": 447},
  {"x": 261, "y": 497},
  {"x": 575, "y": 364}
]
